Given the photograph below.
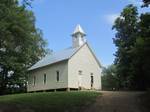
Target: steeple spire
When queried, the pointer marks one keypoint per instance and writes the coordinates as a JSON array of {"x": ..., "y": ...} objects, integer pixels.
[
  {"x": 79, "y": 29},
  {"x": 78, "y": 36}
]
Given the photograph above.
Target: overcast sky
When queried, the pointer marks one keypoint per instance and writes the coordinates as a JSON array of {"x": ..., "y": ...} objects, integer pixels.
[{"x": 58, "y": 18}]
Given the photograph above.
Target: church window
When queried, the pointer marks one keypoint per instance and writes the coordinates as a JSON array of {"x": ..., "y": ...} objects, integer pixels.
[
  {"x": 80, "y": 72},
  {"x": 34, "y": 80},
  {"x": 44, "y": 78},
  {"x": 57, "y": 76}
]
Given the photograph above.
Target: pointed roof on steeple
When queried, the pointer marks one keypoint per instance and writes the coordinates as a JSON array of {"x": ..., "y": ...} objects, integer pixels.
[{"x": 79, "y": 29}]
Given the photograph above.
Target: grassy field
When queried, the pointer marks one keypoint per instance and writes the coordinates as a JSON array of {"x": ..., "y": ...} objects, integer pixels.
[{"x": 47, "y": 102}]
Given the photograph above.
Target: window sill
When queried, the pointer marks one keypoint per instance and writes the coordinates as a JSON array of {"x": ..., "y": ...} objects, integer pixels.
[{"x": 59, "y": 81}]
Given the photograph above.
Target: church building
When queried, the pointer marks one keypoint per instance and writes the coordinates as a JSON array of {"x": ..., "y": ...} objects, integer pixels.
[{"x": 75, "y": 67}]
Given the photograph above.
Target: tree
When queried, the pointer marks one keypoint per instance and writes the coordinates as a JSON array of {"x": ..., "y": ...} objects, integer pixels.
[
  {"x": 127, "y": 28},
  {"x": 132, "y": 57},
  {"x": 141, "y": 54},
  {"x": 109, "y": 79},
  {"x": 21, "y": 45},
  {"x": 146, "y": 3}
]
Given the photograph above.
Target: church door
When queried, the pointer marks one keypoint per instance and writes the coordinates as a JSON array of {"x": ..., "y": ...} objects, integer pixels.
[
  {"x": 92, "y": 81},
  {"x": 80, "y": 79}
]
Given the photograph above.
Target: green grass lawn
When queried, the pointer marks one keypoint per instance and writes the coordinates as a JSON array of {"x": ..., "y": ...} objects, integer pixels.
[{"x": 47, "y": 101}]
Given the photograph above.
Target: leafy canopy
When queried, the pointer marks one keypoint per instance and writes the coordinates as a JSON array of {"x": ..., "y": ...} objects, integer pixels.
[
  {"x": 132, "y": 40},
  {"x": 21, "y": 44}
]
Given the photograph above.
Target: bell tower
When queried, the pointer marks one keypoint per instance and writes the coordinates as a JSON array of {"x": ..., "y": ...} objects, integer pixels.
[{"x": 78, "y": 37}]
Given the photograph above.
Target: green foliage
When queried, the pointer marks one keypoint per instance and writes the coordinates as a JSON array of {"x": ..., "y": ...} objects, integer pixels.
[
  {"x": 109, "y": 79},
  {"x": 127, "y": 27},
  {"x": 146, "y": 3},
  {"x": 133, "y": 47},
  {"x": 21, "y": 45},
  {"x": 48, "y": 101},
  {"x": 141, "y": 52}
]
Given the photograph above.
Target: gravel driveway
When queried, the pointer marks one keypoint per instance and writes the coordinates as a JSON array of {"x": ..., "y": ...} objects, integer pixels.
[{"x": 117, "y": 102}]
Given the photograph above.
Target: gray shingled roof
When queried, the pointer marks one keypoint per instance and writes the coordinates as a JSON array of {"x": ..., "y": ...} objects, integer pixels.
[{"x": 55, "y": 57}]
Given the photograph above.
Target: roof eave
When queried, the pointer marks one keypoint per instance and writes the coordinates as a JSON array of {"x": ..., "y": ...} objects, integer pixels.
[{"x": 47, "y": 65}]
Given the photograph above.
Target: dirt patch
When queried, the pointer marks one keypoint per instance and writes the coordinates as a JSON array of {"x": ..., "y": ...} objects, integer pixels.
[{"x": 117, "y": 102}]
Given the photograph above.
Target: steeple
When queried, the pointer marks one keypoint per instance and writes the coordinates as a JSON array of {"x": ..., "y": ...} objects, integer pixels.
[{"x": 78, "y": 37}]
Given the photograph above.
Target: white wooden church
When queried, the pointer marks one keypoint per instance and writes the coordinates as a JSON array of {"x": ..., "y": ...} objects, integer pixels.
[{"x": 73, "y": 68}]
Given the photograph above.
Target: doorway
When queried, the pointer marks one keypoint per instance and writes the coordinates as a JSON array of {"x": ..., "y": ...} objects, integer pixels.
[
  {"x": 80, "y": 79},
  {"x": 92, "y": 80}
]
